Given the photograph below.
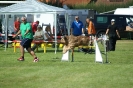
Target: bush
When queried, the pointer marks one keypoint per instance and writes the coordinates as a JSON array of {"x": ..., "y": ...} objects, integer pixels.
[{"x": 102, "y": 7}]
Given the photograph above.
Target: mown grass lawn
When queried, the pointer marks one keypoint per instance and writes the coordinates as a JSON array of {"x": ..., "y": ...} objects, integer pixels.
[{"x": 51, "y": 72}]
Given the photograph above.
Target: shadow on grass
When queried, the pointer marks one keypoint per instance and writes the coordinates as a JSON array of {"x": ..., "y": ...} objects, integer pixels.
[
  {"x": 41, "y": 51},
  {"x": 103, "y": 52},
  {"x": 55, "y": 59}
]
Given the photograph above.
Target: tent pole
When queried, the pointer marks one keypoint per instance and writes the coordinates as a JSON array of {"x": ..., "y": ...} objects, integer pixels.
[
  {"x": 67, "y": 24},
  {"x": 6, "y": 30},
  {"x": 55, "y": 24}
]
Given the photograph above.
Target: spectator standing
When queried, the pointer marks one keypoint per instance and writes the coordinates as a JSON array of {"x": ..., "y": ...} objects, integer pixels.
[
  {"x": 112, "y": 32},
  {"x": 27, "y": 35},
  {"x": 39, "y": 36},
  {"x": 77, "y": 27},
  {"x": 91, "y": 27},
  {"x": 34, "y": 26},
  {"x": 17, "y": 25},
  {"x": 91, "y": 32}
]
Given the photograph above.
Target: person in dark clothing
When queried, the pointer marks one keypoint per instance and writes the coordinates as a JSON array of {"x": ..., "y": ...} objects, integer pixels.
[{"x": 112, "y": 32}]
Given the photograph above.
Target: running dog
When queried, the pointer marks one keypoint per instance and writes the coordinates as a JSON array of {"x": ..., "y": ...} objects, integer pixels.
[{"x": 70, "y": 42}]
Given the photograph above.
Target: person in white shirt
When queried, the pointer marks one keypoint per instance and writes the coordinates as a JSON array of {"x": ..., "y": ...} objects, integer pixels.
[
  {"x": 39, "y": 35},
  {"x": 47, "y": 34}
]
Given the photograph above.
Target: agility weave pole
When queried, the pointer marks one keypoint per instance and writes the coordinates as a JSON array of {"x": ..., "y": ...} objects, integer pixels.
[
  {"x": 81, "y": 46},
  {"x": 98, "y": 56},
  {"x": 89, "y": 46}
]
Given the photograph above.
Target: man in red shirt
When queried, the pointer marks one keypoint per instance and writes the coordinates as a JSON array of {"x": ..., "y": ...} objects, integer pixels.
[
  {"x": 16, "y": 25},
  {"x": 34, "y": 26}
]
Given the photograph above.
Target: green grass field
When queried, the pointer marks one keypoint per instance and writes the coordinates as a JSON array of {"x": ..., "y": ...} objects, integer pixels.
[{"x": 51, "y": 72}]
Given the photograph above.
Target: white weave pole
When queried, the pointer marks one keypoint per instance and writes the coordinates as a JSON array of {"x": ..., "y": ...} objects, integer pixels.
[
  {"x": 98, "y": 56},
  {"x": 6, "y": 30}
]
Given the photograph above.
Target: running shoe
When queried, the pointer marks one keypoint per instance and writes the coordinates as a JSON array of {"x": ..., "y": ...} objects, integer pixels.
[
  {"x": 35, "y": 59},
  {"x": 21, "y": 59}
]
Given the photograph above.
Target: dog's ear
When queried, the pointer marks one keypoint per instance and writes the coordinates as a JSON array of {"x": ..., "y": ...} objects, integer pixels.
[{"x": 66, "y": 37}]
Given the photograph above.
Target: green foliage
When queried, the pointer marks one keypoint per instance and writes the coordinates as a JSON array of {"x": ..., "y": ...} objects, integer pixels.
[
  {"x": 56, "y": 3},
  {"x": 50, "y": 72},
  {"x": 102, "y": 7}
]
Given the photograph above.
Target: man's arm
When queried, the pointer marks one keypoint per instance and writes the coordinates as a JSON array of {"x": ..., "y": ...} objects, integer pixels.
[
  {"x": 16, "y": 34},
  {"x": 90, "y": 28},
  {"x": 118, "y": 33},
  {"x": 82, "y": 30},
  {"x": 26, "y": 32},
  {"x": 107, "y": 31}
]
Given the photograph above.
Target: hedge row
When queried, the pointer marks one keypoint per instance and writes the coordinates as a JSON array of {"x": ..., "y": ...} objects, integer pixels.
[{"x": 102, "y": 7}]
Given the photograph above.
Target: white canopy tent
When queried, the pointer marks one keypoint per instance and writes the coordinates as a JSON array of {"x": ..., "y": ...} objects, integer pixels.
[{"x": 31, "y": 7}]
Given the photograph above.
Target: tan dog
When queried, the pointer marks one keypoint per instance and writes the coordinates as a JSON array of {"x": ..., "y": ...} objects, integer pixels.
[{"x": 70, "y": 42}]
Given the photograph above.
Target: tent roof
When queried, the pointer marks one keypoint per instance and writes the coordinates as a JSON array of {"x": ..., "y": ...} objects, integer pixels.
[
  {"x": 30, "y": 6},
  {"x": 124, "y": 11}
]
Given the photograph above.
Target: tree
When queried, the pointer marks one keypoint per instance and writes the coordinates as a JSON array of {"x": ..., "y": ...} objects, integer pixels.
[
  {"x": 93, "y": 1},
  {"x": 57, "y": 3}
]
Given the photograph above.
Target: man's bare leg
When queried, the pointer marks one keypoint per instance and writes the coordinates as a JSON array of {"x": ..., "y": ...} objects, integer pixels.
[
  {"x": 31, "y": 52},
  {"x": 22, "y": 50}
]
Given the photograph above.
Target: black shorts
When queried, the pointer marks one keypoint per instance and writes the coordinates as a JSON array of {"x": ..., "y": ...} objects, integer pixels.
[
  {"x": 26, "y": 43},
  {"x": 76, "y": 35}
]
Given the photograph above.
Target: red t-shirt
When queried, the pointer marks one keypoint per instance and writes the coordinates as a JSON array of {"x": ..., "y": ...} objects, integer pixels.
[
  {"x": 34, "y": 27},
  {"x": 17, "y": 25}
]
